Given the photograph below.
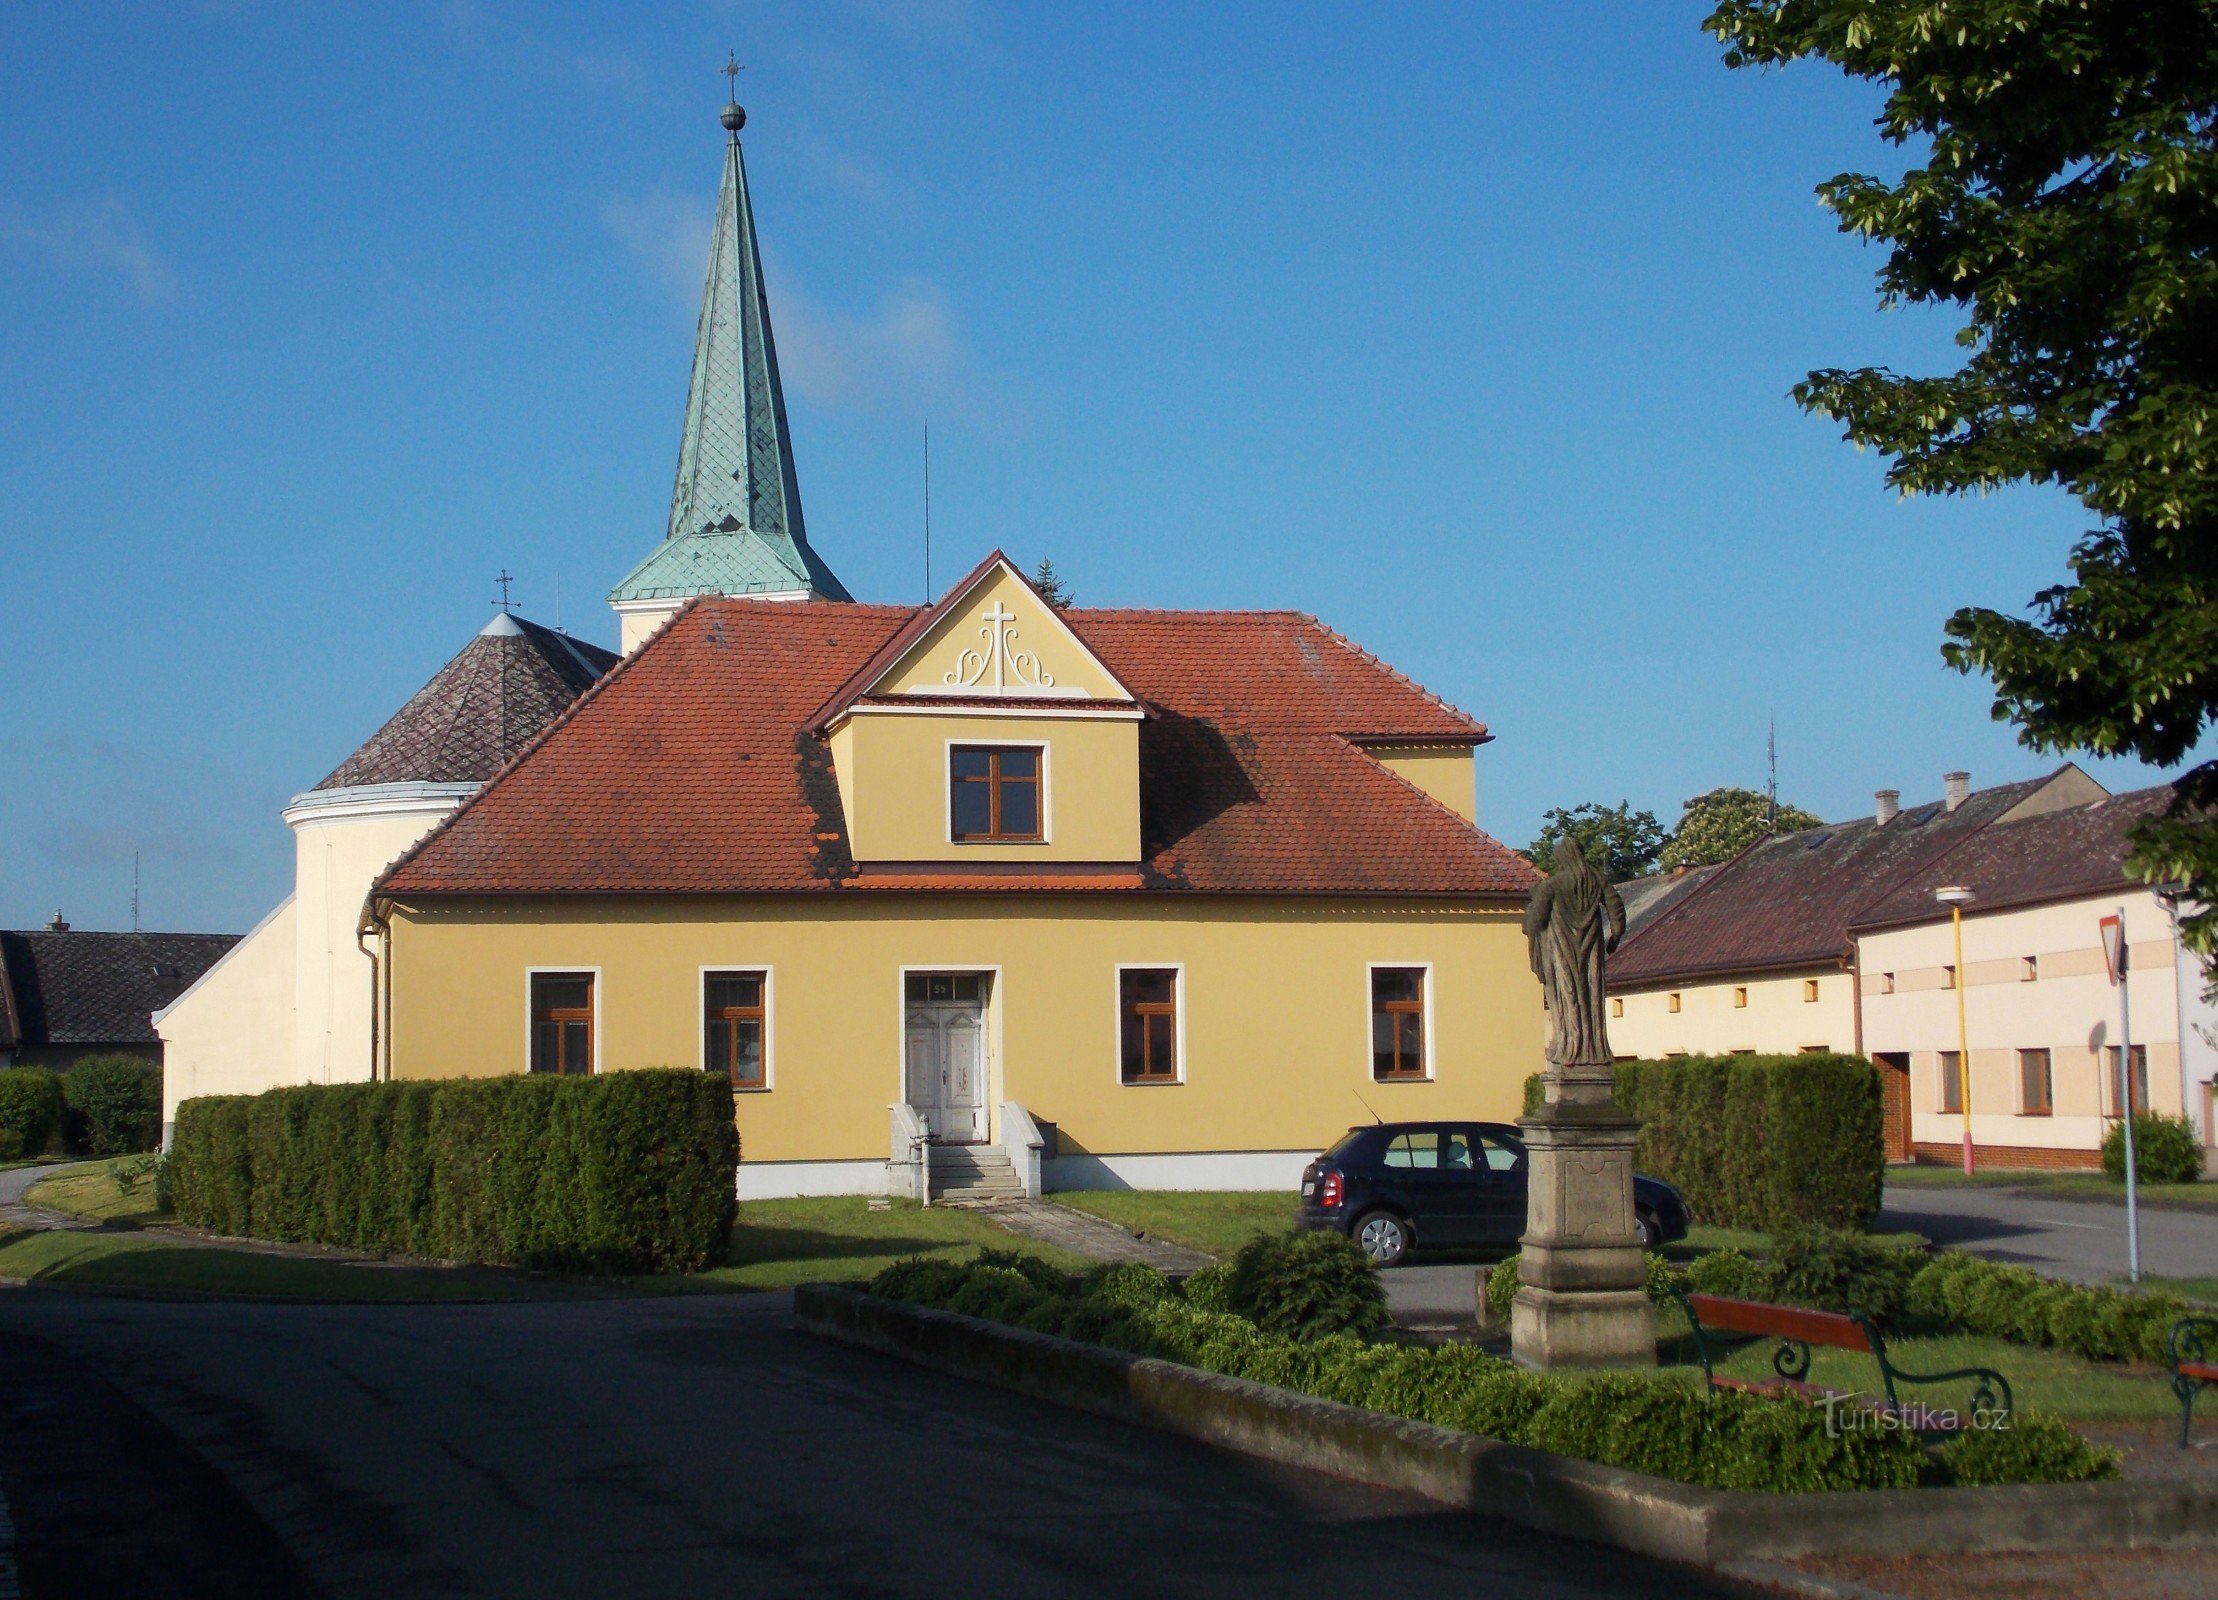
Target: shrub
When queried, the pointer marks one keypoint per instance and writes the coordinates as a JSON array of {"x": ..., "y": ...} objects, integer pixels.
[
  {"x": 2165, "y": 1150},
  {"x": 2032, "y": 1449},
  {"x": 1306, "y": 1285},
  {"x": 622, "y": 1172},
  {"x": 1832, "y": 1269},
  {"x": 1209, "y": 1289},
  {"x": 1038, "y": 1273},
  {"x": 30, "y": 1109},
  {"x": 1724, "y": 1440},
  {"x": 1126, "y": 1283},
  {"x": 2006, "y": 1302},
  {"x": 118, "y": 1103},
  {"x": 1730, "y": 1275},
  {"x": 1502, "y": 1283}
]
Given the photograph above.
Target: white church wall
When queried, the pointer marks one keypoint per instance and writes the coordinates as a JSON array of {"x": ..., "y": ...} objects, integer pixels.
[{"x": 232, "y": 1032}]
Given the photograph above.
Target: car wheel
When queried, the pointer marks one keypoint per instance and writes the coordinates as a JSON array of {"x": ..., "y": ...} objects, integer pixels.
[
  {"x": 1384, "y": 1237},
  {"x": 1645, "y": 1229}
]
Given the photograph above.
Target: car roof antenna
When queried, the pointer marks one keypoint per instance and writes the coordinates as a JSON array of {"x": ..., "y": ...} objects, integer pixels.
[{"x": 1366, "y": 1105}]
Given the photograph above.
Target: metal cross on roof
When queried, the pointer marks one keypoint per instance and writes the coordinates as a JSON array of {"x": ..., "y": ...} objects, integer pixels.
[
  {"x": 504, "y": 580},
  {"x": 731, "y": 70}
]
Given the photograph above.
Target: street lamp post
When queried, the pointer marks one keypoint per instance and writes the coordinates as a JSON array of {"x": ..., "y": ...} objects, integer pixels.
[{"x": 1955, "y": 896}]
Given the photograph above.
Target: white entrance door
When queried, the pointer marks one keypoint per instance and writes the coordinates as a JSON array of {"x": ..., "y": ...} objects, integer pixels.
[{"x": 944, "y": 1049}]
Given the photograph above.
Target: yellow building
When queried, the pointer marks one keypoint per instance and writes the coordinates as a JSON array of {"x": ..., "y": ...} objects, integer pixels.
[{"x": 1149, "y": 898}]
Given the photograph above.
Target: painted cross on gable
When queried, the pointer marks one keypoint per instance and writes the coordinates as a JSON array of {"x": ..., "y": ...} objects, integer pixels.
[{"x": 1011, "y": 667}]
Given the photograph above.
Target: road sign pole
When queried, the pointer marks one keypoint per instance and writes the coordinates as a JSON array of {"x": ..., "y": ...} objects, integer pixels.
[{"x": 2114, "y": 952}]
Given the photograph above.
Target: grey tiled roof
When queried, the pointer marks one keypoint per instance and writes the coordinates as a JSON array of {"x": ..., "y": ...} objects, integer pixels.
[
  {"x": 98, "y": 988},
  {"x": 1646, "y": 898},
  {"x": 482, "y": 707}
]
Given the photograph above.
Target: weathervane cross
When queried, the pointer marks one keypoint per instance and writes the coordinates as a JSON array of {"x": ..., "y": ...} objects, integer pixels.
[
  {"x": 731, "y": 70},
  {"x": 504, "y": 580}
]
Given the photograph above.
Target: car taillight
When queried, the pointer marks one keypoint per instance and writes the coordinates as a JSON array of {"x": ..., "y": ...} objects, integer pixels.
[{"x": 1329, "y": 1191}]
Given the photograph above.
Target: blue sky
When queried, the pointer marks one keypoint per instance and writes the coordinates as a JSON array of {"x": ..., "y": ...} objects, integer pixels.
[{"x": 1470, "y": 336}]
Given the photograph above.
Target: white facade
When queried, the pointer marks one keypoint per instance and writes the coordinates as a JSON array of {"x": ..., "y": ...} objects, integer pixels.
[{"x": 1776, "y": 1013}]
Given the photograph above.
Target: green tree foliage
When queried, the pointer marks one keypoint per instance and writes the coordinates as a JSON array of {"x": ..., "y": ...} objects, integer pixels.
[
  {"x": 1053, "y": 589},
  {"x": 116, "y": 1101},
  {"x": 2066, "y": 203},
  {"x": 1721, "y": 824},
  {"x": 1620, "y": 842}
]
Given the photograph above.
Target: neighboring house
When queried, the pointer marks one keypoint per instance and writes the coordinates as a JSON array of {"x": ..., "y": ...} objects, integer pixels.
[
  {"x": 65, "y": 995},
  {"x": 1198, "y": 888},
  {"x": 2040, "y": 1012}
]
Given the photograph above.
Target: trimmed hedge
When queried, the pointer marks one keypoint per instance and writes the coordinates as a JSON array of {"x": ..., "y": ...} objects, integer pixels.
[
  {"x": 115, "y": 1104},
  {"x": 1762, "y": 1142},
  {"x": 30, "y": 1111},
  {"x": 619, "y": 1172},
  {"x": 1645, "y": 1423},
  {"x": 2007, "y": 1302}
]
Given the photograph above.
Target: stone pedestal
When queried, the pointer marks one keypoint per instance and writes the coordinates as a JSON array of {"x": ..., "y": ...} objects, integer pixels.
[{"x": 1584, "y": 1300}]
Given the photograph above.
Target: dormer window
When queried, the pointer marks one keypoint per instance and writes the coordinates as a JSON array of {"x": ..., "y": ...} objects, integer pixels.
[{"x": 994, "y": 793}]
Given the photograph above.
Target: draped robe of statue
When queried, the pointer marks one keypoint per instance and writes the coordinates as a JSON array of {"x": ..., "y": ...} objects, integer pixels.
[{"x": 1574, "y": 919}]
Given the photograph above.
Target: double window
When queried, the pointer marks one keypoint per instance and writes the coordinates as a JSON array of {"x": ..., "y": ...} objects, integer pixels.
[
  {"x": 562, "y": 1022},
  {"x": 735, "y": 1021},
  {"x": 994, "y": 793},
  {"x": 1398, "y": 1051},
  {"x": 1147, "y": 1024}
]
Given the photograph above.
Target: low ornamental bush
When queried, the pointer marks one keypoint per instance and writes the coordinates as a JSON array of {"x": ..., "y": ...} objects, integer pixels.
[
  {"x": 30, "y": 1111},
  {"x": 1834, "y": 1269},
  {"x": 116, "y": 1104},
  {"x": 1761, "y": 1142},
  {"x": 2006, "y": 1302},
  {"x": 618, "y": 1172},
  {"x": 2165, "y": 1150},
  {"x": 1306, "y": 1285},
  {"x": 1724, "y": 1440},
  {"x": 1502, "y": 1284}
]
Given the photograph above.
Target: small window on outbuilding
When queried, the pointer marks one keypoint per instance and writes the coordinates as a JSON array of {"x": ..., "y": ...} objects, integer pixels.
[
  {"x": 1617, "y": 1006},
  {"x": 2029, "y": 969},
  {"x": 1671, "y": 1002},
  {"x": 1740, "y": 998},
  {"x": 1809, "y": 991}
]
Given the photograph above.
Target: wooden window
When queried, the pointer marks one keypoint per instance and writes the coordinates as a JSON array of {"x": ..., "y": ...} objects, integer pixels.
[
  {"x": 734, "y": 1026},
  {"x": 2029, "y": 969},
  {"x": 1740, "y": 999},
  {"x": 2036, "y": 1089},
  {"x": 1809, "y": 991},
  {"x": 1671, "y": 1002},
  {"x": 994, "y": 792},
  {"x": 1886, "y": 983},
  {"x": 1397, "y": 1023},
  {"x": 1147, "y": 1015},
  {"x": 1948, "y": 977},
  {"x": 562, "y": 1022},
  {"x": 1617, "y": 1007},
  {"x": 1952, "y": 1082},
  {"x": 2140, "y": 1077}
]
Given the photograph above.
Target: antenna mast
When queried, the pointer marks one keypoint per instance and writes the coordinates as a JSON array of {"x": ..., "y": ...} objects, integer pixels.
[
  {"x": 1771, "y": 781},
  {"x": 134, "y": 891},
  {"x": 927, "y": 511}
]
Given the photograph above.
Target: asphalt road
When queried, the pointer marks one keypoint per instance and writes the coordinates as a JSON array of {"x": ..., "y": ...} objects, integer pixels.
[{"x": 675, "y": 1447}]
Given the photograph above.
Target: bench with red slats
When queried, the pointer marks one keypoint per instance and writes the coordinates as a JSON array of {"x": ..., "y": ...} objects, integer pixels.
[
  {"x": 1797, "y": 1328},
  {"x": 2191, "y": 1345}
]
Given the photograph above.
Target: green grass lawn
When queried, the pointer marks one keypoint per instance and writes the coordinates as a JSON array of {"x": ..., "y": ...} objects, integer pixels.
[
  {"x": 780, "y": 1243},
  {"x": 89, "y": 1189},
  {"x": 1215, "y": 1221},
  {"x": 2065, "y": 1185}
]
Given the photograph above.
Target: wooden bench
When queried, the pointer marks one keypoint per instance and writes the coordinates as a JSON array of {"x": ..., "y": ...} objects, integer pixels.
[
  {"x": 1733, "y": 1324},
  {"x": 2190, "y": 1346}
]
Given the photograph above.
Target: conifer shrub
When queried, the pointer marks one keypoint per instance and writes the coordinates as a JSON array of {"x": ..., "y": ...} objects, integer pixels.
[
  {"x": 2165, "y": 1150},
  {"x": 619, "y": 1172},
  {"x": 1502, "y": 1283},
  {"x": 115, "y": 1102},
  {"x": 1994, "y": 1298},
  {"x": 1724, "y": 1439},
  {"x": 1209, "y": 1288},
  {"x": 30, "y": 1111},
  {"x": 1835, "y": 1269},
  {"x": 1306, "y": 1285}
]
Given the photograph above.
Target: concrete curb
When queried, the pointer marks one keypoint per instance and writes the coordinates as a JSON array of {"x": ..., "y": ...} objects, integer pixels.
[{"x": 1554, "y": 1494}]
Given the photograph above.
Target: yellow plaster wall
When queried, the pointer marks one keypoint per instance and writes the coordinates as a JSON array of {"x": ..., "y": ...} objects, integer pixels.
[
  {"x": 1446, "y": 772},
  {"x": 934, "y": 665},
  {"x": 1275, "y": 995},
  {"x": 893, "y": 781}
]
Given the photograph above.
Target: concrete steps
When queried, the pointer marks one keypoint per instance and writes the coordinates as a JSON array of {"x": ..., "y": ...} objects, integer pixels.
[{"x": 970, "y": 1174}]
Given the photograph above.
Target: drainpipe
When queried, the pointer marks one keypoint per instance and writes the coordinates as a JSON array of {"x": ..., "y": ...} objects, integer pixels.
[{"x": 373, "y": 921}]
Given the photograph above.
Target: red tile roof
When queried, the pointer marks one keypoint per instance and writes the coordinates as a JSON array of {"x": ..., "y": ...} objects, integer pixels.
[{"x": 691, "y": 768}]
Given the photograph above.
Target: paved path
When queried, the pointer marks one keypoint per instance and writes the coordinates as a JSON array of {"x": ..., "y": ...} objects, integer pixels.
[
  {"x": 1084, "y": 1234},
  {"x": 16, "y": 1214},
  {"x": 697, "y": 1445},
  {"x": 2079, "y": 1240}
]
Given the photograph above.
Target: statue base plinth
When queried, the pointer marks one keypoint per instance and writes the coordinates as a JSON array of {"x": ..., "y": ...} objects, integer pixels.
[{"x": 1583, "y": 1300}]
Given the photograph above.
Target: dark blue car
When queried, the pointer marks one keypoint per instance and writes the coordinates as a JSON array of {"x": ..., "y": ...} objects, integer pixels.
[{"x": 1395, "y": 1186}]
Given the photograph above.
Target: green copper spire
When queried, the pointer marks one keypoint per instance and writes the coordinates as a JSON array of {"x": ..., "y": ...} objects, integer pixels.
[{"x": 735, "y": 513}]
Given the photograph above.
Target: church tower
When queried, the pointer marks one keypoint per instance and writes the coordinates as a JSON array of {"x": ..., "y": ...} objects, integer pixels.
[{"x": 735, "y": 513}]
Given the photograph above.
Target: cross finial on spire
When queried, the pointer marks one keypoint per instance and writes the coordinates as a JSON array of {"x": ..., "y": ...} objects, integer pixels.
[
  {"x": 504, "y": 580},
  {"x": 733, "y": 116}
]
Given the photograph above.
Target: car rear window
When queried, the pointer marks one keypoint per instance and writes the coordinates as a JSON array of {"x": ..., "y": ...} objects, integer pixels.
[{"x": 1350, "y": 1143}]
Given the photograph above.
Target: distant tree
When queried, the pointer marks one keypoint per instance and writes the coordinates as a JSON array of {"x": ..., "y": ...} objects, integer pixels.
[
  {"x": 1618, "y": 841},
  {"x": 2061, "y": 197},
  {"x": 1052, "y": 588},
  {"x": 1721, "y": 824}
]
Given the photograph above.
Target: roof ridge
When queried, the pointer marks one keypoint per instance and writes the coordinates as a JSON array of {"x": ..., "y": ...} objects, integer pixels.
[
  {"x": 1695, "y": 893},
  {"x": 1396, "y": 674}
]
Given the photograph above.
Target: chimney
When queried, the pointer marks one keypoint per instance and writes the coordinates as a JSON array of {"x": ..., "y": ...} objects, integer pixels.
[
  {"x": 56, "y": 924},
  {"x": 1956, "y": 788},
  {"x": 1885, "y": 803}
]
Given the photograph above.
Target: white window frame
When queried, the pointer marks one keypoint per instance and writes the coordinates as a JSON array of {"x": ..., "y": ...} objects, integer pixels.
[
  {"x": 1370, "y": 1044},
  {"x": 947, "y": 805},
  {"x": 1177, "y": 969},
  {"x": 769, "y": 1018},
  {"x": 530, "y": 1021}
]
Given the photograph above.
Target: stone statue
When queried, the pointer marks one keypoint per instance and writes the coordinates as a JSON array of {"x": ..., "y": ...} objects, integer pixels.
[{"x": 1574, "y": 920}]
